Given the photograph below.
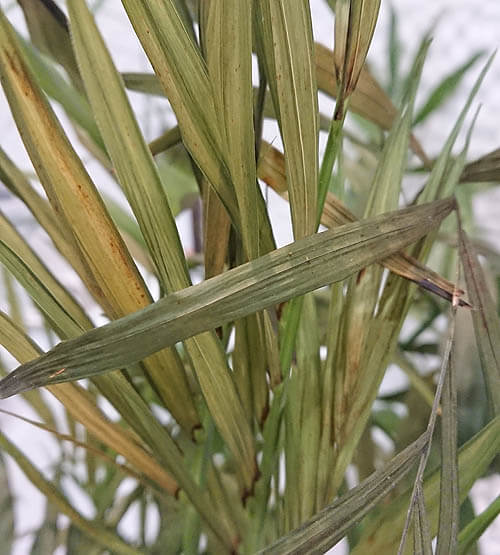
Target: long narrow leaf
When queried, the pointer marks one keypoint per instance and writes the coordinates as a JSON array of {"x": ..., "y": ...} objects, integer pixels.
[
  {"x": 383, "y": 533},
  {"x": 330, "y": 525},
  {"x": 288, "y": 272},
  {"x": 296, "y": 104},
  {"x": 485, "y": 319},
  {"x": 111, "y": 274},
  {"x": 472, "y": 532}
]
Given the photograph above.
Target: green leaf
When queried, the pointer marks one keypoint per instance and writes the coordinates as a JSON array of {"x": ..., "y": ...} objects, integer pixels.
[
  {"x": 449, "y": 503},
  {"x": 485, "y": 319},
  {"x": 96, "y": 530},
  {"x": 472, "y": 532},
  {"x": 331, "y": 524},
  {"x": 288, "y": 272},
  {"x": 6, "y": 509},
  {"x": 291, "y": 68},
  {"x": 440, "y": 94},
  {"x": 382, "y": 534}
]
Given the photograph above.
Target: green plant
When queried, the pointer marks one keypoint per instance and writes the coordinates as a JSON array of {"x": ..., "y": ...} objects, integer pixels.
[{"x": 261, "y": 429}]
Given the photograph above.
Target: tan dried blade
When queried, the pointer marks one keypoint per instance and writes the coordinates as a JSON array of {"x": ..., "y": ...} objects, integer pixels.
[
  {"x": 369, "y": 99},
  {"x": 111, "y": 274},
  {"x": 271, "y": 171},
  {"x": 140, "y": 180}
]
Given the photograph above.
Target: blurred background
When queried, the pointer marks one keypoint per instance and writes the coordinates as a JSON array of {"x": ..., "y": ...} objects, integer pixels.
[{"x": 461, "y": 29}]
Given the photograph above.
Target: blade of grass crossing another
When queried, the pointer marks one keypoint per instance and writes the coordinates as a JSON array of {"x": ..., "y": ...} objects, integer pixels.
[
  {"x": 383, "y": 533},
  {"x": 139, "y": 177},
  {"x": 485, "y": 320},
  {"x": 297, "y": 106},
  {"x": 290, "y": 271},
  {"x": 111, "y": 275}
]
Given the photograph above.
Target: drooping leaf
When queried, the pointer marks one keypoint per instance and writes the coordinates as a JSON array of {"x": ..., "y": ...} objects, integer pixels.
[{"x": 335, "y": 213}]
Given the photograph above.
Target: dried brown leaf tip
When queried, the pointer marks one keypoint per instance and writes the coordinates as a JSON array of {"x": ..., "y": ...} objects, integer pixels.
[{"x": 354, "y": 25}]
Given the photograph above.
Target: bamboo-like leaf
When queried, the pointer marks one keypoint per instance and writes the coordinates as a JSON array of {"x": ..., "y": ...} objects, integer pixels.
[
  {"x": 445, "y": 89},
  {"x": 335, "y": 213},
  {"x": 13, "y": 250},
  {"x": 138, "y": 175},
  {"x": 472, "y": 532},
  {"x": 382, "y": 534},
  {"x": 94, "y": 529},
  {"x": 48, "y": 29},
  {"x": 449, "y": 504},
  {"x": 110, "y": 272},
  {"x": 354, "y": 26},
  {"x": 6, "y": 509},
  {"x": 485, "y": 319},
  {"x": 331, "y": 524},
  {"x": 129, "y": 153},
  {"x": 183, "y": 74},
  {"x": 296, "y": 104},
  {"x": 17, "y": 183},
  {"x": 124, "y": 397},
  {"x": 484, "y": 169},
  {"x": 287, "y": 272},
  {"x": 80, "y": 405}
]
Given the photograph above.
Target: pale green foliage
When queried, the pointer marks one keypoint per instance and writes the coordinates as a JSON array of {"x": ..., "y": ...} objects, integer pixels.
[{"x": 260, "y": 430}]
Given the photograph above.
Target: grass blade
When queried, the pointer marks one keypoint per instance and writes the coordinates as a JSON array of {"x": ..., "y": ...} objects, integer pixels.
[
  {"x": 111, "y": 274},
  {"x": 485, "y": 319},
  {"x": 445, "y": 89},
  {"x": 472, "y": 532},
  {"x": 449, "y": 504},
  {"x": 296, "y": 104},
  {"x": 331, "y": 524},
  {"x": 288, "y": 272},
  {"x": 382, "y": 534}
]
